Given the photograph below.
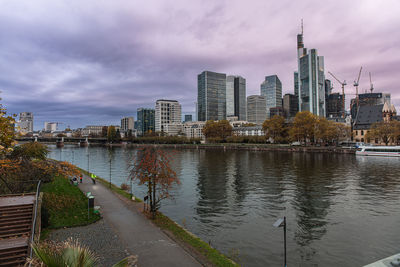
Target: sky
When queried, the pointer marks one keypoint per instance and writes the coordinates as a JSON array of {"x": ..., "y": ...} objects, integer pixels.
[{"x": 93, "y": 62}]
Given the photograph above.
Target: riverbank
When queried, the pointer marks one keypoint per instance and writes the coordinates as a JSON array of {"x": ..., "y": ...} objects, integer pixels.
[{"x": 253, "y": 147}]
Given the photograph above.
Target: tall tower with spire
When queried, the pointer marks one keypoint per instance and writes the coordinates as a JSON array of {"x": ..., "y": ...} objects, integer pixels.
[{"x": 309, "y": 79}]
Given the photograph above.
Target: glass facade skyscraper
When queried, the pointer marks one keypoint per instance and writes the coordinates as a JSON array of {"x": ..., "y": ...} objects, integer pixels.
[
  {"x": 145, "y": 121},
  {"x": 271, "y": 88},
  {"x": 256, "y": 109},
  {"x": 311, "y": 79},
  {"x": 236, "y": 97},
  {"x": 211, "y": 96}
]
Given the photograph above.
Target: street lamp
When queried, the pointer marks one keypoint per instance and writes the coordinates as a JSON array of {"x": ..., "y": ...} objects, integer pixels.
[{"x": 282, "y": 223}]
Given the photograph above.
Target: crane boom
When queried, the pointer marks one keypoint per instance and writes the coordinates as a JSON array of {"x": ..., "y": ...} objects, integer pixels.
[
  {"x": 343, "y": 84},
  {"x": 370, "y": 82}
]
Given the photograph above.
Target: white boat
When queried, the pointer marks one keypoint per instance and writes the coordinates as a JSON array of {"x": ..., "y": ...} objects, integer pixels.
[{"x": 383, "y": 151}]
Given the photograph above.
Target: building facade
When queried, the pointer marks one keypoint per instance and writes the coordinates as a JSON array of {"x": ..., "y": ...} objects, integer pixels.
[
  {"x": 194, "y": 129},
  {"x": 256, "y": 109},
  {"x": 334, "y": 106},
  {"x": 236, "y": 97},
  {"x": 311, "y": 79},
  {"x": 211, "y": 96},
  {"x": 127, "y": 124},
  {"x": 25, "y": 123},
  {"x": 145, "y": 121},
  {"x": 188, "y": 117},
  {"x": 50, "y": 126},
  {"x": 167, "y": 112},
  {"x": 271, "y": 88},
  {"x": 290, "y": 105}
]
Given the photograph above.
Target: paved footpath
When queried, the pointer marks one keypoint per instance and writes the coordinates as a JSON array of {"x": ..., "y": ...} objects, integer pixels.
[{"x": 138, "y": 234}]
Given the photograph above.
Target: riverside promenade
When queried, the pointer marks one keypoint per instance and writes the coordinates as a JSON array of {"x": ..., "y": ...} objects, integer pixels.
[{"x": 139, "y": 235}]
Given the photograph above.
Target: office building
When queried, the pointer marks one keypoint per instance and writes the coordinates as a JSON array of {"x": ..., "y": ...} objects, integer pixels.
[
  {"x": 334, "y": 106},
  {"x": 236, "y": 97},
  {"x": 310, "y": 78},
  {"x": 194, "y": 129},
  {"x": 290, "y": 105},
  {"x": 211, "y": 96},
  {"x": 271, "y": 88},
  {"x": 256, "y": 109},
  {"x": 25, "y": 123},
  {"x": 276, "y": 111},
  {"x": 188, "y": 117},
  {"x": 127, "y": 124},
  {"x": 50, "y": 126},
  {"x": 145, "y": 121},
  {"x": 167, "y": 112},
  {"x": 368, "y": 99}
]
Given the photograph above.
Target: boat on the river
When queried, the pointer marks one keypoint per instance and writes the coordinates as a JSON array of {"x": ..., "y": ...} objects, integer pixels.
[{"x": 384, "y": 151}]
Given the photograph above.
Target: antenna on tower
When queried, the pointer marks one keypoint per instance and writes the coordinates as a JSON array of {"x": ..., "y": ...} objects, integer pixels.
[{"x": 301, "y": 26}]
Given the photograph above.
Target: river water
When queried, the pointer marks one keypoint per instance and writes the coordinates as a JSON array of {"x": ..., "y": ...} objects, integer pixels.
[{"x": 341, "y": 210}]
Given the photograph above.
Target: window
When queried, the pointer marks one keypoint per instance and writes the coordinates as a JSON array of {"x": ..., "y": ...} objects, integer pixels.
[{"x": 362, "y": 132}]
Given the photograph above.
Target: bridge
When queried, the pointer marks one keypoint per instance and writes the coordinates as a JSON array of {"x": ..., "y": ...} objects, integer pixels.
[{"x": 60, "y": 141}]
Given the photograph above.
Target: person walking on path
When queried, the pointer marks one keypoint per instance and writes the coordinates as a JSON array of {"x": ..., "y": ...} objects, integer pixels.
[
  {"x": 93, "y": 176},
  {"x": 80, "y": 178}
]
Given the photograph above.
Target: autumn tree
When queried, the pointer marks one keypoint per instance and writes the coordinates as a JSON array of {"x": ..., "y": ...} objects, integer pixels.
[
  {"x": 7, "y": 141},
  {"x": 111, "y": 134},
  {"x": 325, "y": 130},
  {"x": 384, "y": 131},
  {"x": 275, "y": 128},
  {"x": 217, "y": 129},
  {"x": 152, "y": 167},
  {"x": 343, "y": 132},
  {"x": 303, "y": 128}
]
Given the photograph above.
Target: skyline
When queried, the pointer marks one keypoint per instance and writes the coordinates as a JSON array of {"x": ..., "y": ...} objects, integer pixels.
[{"x": 94, "y": 63}]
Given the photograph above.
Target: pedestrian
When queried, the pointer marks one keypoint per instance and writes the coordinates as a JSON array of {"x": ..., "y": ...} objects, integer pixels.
[
  {"x": 93, "y": 176},
  {"x": 80, "y": 178}
]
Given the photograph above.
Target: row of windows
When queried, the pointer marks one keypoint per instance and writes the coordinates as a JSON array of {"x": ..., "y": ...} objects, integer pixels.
[{"x": 382, "y": 150}]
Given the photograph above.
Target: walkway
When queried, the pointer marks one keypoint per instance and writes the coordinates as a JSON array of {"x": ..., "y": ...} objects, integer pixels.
[{"x": 140, "y": 236}]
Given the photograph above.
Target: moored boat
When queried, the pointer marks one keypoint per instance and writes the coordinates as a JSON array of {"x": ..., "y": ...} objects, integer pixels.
[{"x": 384, "y": 151}]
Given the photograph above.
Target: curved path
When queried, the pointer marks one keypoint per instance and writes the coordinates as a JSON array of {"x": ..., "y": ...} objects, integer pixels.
[{"x": 138, "y": 234}]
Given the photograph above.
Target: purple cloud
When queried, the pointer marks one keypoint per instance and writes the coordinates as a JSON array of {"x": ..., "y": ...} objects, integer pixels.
[{"x": 93, "y": 62}]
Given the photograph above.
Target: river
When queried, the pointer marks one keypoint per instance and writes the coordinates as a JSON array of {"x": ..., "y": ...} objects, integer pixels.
[{"x": 341, "y": 210}]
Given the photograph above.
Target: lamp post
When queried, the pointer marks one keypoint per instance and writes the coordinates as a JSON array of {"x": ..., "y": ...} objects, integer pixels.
[{"x": 282, "y": 223}]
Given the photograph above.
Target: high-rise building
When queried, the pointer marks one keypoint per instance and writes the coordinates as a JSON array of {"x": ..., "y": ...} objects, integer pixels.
[
  {"x": 188, "y": 117},
  {"x": 334, "y": 105},
  {"x": 145, "y": 121},
  {"x": 311, "y": 79},
  {"x": 211, "y": 96},
  {"x": 290, "y": 105},
  {"x": 127, "y": 124},
  {"x": 167, "y": 112},
  {"x": 50, "y": 126},
  {"x": 296, "y": 84},
  {"x": 25, "y": 123},
  {"x": 236, "y": 97},
  {"x": 271, "y": 88},
  {"x": 256, "y": 109}
]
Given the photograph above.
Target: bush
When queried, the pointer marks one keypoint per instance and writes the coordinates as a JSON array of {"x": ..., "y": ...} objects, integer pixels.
[{"x": 125, "y": 187}]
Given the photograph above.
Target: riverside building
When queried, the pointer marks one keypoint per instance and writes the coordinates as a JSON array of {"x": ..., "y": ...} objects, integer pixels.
[
  {"x": 211, "y": 96},
  {"x": 310, "y": 79},
  {"x": 236, "y": 97},
  {"x": 271, "y": 88},
  {"x": 145, "y": 121},
  {"x": 25, "y": 123},
  {"x": 167, "y": 112},
  {"x": 256, "y": 109},
  {"x": 127, "y": 124}
]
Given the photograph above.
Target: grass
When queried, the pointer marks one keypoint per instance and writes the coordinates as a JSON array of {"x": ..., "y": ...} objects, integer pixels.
[
  {"x": 213, "y": 255},
  {"x": 65, "y": 204}
]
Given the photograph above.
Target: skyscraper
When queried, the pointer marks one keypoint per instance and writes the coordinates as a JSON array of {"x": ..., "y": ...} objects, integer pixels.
[
  {"x": 236, "y": 97},
  {"x": 145, "y": 121},
  {"x": 211, "y": 96},
  {"x": 271, "y": 88},
  {"x": 311, "y": 79},
  {"x": 167, "y": 112},
  {"x": 256, "y": 109}
]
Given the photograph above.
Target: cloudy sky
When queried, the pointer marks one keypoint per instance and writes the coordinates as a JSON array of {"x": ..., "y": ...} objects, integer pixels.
[{"x": 93, "y": 62}]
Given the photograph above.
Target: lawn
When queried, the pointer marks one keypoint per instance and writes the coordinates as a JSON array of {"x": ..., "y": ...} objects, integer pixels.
[{"x": 64, "y": 205}]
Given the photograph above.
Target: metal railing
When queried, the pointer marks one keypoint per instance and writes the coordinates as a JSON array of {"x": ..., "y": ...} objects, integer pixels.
[{"x": 34, "y": 219}]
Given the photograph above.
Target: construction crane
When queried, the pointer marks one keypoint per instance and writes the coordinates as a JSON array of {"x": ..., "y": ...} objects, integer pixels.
[
  {"x": 370, "y": 81},
  {"x": 356, "y": 83},
  {"x": 343, "y": 84}
]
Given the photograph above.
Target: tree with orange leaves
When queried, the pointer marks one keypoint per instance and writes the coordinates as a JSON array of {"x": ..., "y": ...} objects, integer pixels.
[{"x": 152, "y": 167}]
